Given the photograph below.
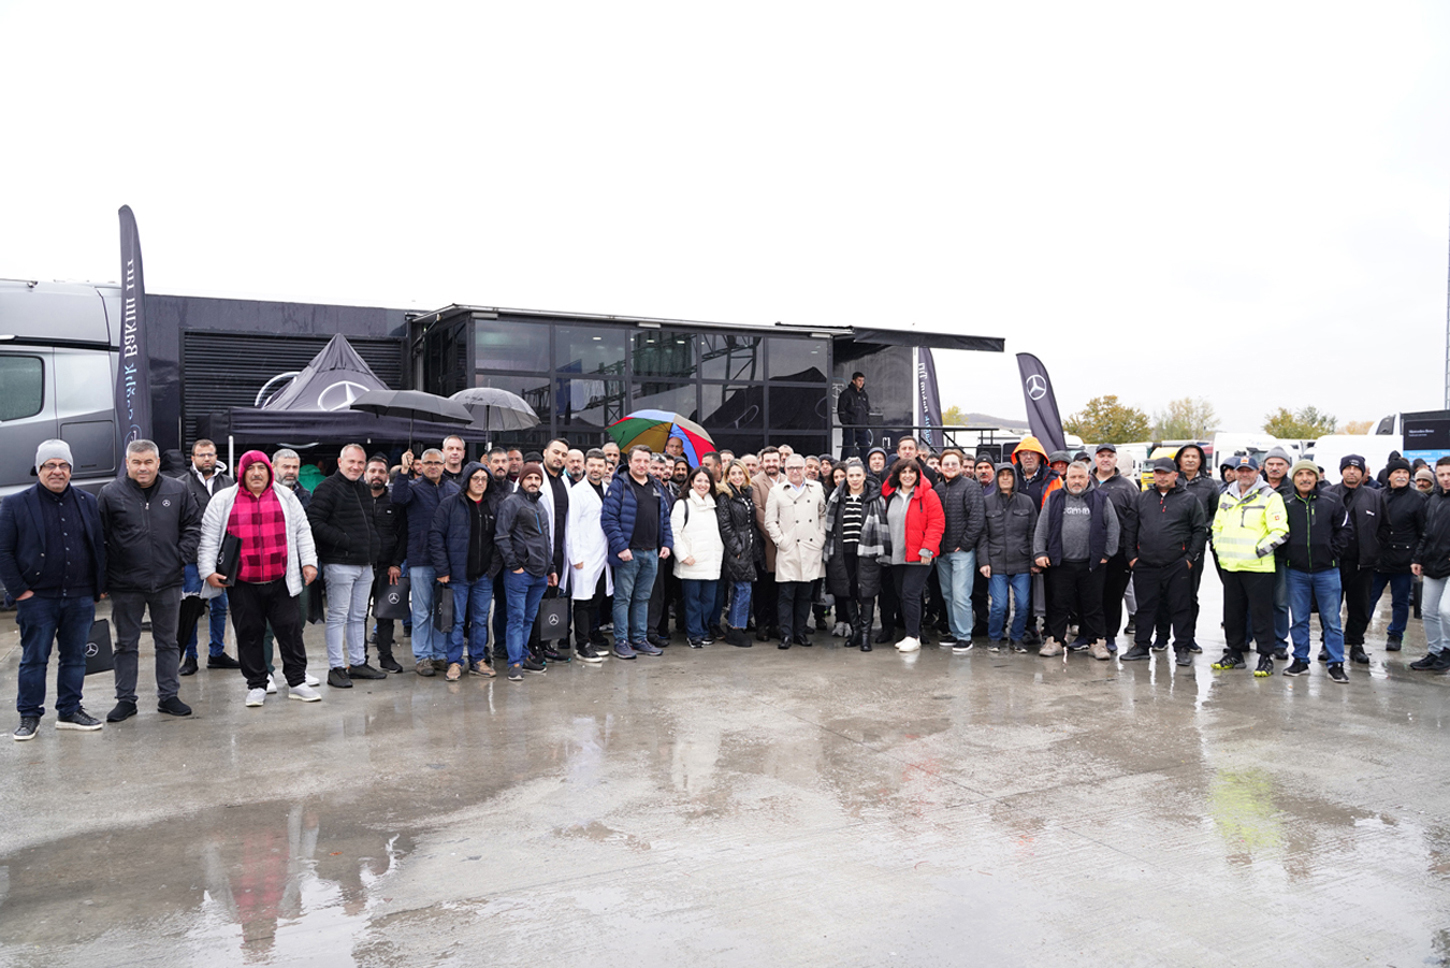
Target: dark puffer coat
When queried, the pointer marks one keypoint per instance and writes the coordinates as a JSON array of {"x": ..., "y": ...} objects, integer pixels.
[
  {"x": 342, "y": 522},
  {"x": 736, "y": 515},
  {"x": 1432, "y": 554},
  {"x": 1405, "y": 510},
  {"x": 868, "y": 569},
  {"x": 1007, "y": 540}
]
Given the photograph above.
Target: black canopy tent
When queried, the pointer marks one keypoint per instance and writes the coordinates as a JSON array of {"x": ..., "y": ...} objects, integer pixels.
[{"x": 313, "y": 408}]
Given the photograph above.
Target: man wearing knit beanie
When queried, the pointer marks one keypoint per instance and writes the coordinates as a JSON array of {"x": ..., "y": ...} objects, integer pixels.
[
  {"x": 1319, "y": 531},
  {"x": 521, "y": 537},
  {"x": 53, "y": 560},
  {"x": 1276, "y": 475},
  {"x": 1368, "y": 536},
  {"x": 1405, "y": 510}
]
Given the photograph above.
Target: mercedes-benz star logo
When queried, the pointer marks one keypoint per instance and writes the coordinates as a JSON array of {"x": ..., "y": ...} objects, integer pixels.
[
  {"x": 340, "y": 395},
  {"x": 1036, "y": 386}
]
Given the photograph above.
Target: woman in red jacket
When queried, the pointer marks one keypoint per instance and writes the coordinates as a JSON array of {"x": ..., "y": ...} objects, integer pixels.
[{"x": 915, "y": 522}]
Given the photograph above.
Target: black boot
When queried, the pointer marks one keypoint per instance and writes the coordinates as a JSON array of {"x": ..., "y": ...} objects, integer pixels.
[
  {"x": 861, "y": 630},
  {"x": 386, "y": 662}
]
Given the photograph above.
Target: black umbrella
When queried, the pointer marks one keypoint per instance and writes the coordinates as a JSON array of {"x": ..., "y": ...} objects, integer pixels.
[{"x": 412, "y": 405}]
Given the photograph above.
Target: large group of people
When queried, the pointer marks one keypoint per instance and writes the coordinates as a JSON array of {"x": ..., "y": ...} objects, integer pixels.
[{"x": 1041, "y": 552}]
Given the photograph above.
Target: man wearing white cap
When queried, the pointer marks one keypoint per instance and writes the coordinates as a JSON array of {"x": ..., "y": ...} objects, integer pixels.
[{"x": 53, "y": 560}]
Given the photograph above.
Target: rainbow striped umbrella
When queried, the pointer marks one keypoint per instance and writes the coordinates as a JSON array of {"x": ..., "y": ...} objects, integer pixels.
[{"x": 653, "y": 427}]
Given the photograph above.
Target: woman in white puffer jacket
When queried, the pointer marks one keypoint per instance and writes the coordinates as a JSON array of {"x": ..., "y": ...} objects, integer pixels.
[{"x": 699, "y": 553}]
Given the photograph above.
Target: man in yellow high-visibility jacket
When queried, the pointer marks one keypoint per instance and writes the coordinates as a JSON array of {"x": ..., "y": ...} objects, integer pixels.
[{"x": 1250, "y": 524}]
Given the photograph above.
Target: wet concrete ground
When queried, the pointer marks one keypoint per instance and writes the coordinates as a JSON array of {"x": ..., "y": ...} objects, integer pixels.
[{"x": 734, "y": 807}]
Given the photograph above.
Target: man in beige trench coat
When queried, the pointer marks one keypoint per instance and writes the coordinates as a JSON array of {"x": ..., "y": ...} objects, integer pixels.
[{"x": 795, "y": 520}]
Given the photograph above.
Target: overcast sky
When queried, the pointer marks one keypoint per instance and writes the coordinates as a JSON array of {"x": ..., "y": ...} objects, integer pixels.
[{"x": 1244, "y": 201}]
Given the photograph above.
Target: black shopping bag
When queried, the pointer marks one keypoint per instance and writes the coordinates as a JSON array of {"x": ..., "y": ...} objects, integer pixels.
[
  {"x": 443, "y": 607},
  {"x": 553, "y": 620},
  {"x": 391, "y": 601},
  {"x": 98, "y": 648}
]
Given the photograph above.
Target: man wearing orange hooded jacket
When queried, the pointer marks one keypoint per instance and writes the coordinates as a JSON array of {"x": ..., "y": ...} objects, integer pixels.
[{"x": 1037, "y": 480}]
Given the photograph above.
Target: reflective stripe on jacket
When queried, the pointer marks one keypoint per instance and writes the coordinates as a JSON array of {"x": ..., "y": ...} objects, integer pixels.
[{"x": 1248, "y": 527}]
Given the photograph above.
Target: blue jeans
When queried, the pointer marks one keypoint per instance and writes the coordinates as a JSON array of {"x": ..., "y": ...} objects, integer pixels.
[
  {"x": 66, "y": 622},
  {"x": 633, "y": 582},
  {"x": 216, "y": 614},
  {"x": 348, "y": 589},
  {"x": 739, "y": 615},
  {"x": 997, "y": 586},
  {"x": 524, "y": 592},
  {"x": 420, "y": 591},
  {"x": 956, "y": 570},
  {"x": 699, "y": 604},
  {"x": 1400, "y": 587},
  {"x": 1324, "y": 585},
  {"x": 471, "y": 600}
]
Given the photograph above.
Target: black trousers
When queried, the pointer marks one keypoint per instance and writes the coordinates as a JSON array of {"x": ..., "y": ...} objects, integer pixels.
[
  {"x": 888, "y": 603},
  {"x": 674, "y": 592},
  {"x": 1169, "y": 586},
  {"x": 1165, "y": 620},
  {"x": 1075, "y": 589},
  {"x": 500, "y": 617},
  {"x": 909, "y": 582},
  {"x": 936, "y": 601},
  {"x": 765, "y": 601},
  {"x": 1116, "y": 576},
  {"x": 1355, "y": 584},
  {"x": 386, "y": 628},
  {"x": 586, "y": 616},
  {"x": 794, "y": 608},
  {"x": 657, "y": 619},
  {"x": 254, "y": 607},
  {"x": 1248, "y": 594},
  {"x": 979, "y": 601}
]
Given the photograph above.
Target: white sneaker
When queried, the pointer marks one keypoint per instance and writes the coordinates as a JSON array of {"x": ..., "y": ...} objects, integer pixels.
[
  {"x": 271, "y": 685},
  {"x": 304, "y": 693},
  {"x": 255, "y": 697},
  {"x": 908, "y": 644},
  {"x": 311, "y": 680}
]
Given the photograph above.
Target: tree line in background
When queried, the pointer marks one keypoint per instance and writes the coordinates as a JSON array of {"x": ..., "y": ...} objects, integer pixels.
[{"x": 1106, "y": 421}]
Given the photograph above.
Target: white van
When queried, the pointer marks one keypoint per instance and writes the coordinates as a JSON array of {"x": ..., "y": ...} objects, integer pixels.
[
  {"x": 1257, "y": 446},
  {"x": 1374, "y": 448}
]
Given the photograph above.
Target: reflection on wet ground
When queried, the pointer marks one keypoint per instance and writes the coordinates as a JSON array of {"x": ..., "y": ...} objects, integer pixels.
[{"x": 723, "y": 807}]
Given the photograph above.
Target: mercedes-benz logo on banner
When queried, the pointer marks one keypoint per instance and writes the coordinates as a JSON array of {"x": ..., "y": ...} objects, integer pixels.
[
  {"x": 1036, "y": 386},
  {"x": 340, "y": 395}
]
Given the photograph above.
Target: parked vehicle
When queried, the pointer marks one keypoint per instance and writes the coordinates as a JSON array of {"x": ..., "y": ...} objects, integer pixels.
[
  {"x": 1328, "y": 450},
  {"x": 1257, "y": 446},
  {"x": 58, "y": 350}
]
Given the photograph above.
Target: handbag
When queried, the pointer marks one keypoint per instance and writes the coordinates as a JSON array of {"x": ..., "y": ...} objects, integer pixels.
[
  {"x": 392, "y": 601},
  {"x": 553, "y": 618},
  {"x": 443, "y": 607},
  {"x": 229, "y": 558},
  {"x": 99, "y": 657}
]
